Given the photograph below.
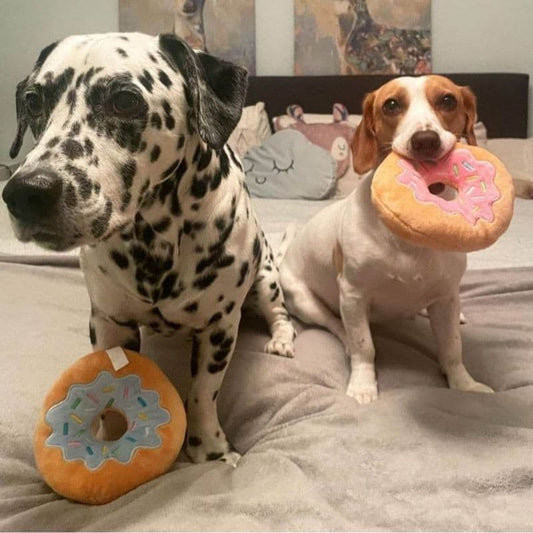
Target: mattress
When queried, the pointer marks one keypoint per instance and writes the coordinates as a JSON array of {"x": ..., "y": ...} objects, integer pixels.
[{"x": 422, "y": 457}]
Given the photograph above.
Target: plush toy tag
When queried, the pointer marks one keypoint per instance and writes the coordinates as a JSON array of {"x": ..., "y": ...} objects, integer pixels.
[{"x": 118, "y": 357}]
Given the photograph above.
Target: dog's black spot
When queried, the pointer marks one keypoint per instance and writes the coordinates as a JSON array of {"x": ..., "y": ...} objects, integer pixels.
[
  {"x": 120, "y": 259},
  {"x": 195, "y": 356},
  {"x": 52, "y": 142},
  {"x": 242, "y": 272},
  {"x": 192, "y": 307},
  {"x": 214, "y": 456},
  {"x": 216, "y": 317},
  {"x": 204, "y": 160},
  {"x": 164, "y": 79},
  {"x": 100, "y": 224},
  {"x": 198, "y": 187},
  {"x": 195, "y": 441},
  {"x": 45, "y": 155},
  {"x": 122, "y": 52},
  {"x": 181, "y": 142},
  {"x": 155, "y": 120},
  {"x": 204, "y": 281},
  {"x": 168, "y": 284},
  {"x": 71, "y": 100},
  {"x": 256, "y": 249},
  {"x": 216, "y": 180},
  {"x": 213, "y": 368},
  {"x": 275, "y": 295},
  {"x": 126, "y": 199},
  {"x": 152, "y": 58},
  {"x": 215, "y": 394},
  {"x": 170, "y": 122},
  {"x": 127, "y": 171},
  {"x": 162, "y": 224},
  {"x": 217, "y": 337},
  {"x": 224, "y": 163},
  {"x": 222, "y": 353},
  {"x": 92, "y": 334},
  {"x": 72, "y": 149},
  {"x": 229, "y": 307},
  {"x": 155, "y": 153},
  {"x": 70, "y": 195},
  {"x": 89, "y": 146},
  {"x": 147, "y": 80},
  {"x": 75, "y": 129}
]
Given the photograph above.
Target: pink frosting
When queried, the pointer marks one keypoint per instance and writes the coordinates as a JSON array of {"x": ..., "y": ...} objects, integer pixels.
[{"x": 473, "y": 180}]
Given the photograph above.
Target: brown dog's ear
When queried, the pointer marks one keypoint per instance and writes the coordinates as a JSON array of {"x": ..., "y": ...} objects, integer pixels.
[
  {"x": 469, "y": 101},
  {"x": 364, "y": 143}
]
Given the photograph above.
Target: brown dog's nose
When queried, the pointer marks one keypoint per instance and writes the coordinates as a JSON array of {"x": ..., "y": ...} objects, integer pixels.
[
  {"x": 31, "y": 197},
  {"x": 425, "y": 144}
]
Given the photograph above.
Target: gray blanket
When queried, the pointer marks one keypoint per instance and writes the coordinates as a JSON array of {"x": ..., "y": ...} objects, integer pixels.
[{"x": 422, "y": 457}]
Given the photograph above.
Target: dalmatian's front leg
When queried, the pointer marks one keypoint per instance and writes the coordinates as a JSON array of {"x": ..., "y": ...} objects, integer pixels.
[
  {"x": 270, "y": 300},
  {"x": 106, "y": 331},
  {"x": 211, "y": 353}
]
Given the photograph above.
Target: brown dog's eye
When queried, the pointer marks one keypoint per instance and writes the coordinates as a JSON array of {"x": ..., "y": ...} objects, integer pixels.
[
  {"x": 125, "y": 103},
  {"x": 392, "y": 107},
  {"x": 34, "y": 103},
  {"x": 448, "y": 102}
]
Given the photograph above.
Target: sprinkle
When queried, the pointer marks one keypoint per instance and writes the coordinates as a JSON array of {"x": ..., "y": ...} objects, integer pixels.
[
  {"x": 131, "y": 439},
  {"x": 65, "y": 428},
  {"x": 76, "y": 418},
  {"x": 126, "y": 393},
  {"x": 472, "y": 178},
  {"x": 109, "y": 403},
  {"x": 80, "y": 432},
  {"x": 115, "y": 450},
  {"x": 108, "y": 389},
  {"x": 74, "y": 443},
  {"x": 467, "y": 165},
  {"x": 141, "y": 401},
  {"x": 134, "y": 425},
  {"x": 92, "y": 397},
  {"x": 456, "y": 169},
  {"x": 75, "y": 403},
  {"x": 469, "y": 191},
  {"x": 143, "y": 416},
  {"x": 89, "y": 450},
  {"x": 484, "y": 186},
  {"x": 104, "y": 450}
]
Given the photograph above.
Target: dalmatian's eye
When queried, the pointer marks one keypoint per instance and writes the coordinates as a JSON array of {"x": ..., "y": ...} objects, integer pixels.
[
  {"x": 126, "y": 103},
  {"x": 34, "y": 103}
]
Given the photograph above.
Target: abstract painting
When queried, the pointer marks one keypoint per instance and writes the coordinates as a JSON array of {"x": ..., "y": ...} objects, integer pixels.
[
  {"x": 362, "y": 37},
  {"x": 225, "y": 28}
]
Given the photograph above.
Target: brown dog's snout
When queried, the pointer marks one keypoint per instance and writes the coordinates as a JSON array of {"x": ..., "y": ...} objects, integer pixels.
[
  {"x": 425, "y": 144},
  {"x": 33, "y": 196}
]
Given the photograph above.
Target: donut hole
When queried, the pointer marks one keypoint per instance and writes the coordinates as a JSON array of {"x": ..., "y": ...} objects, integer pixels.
[
  {"x": 443, "y": 190},
  {"x": 109, "y": 425}
]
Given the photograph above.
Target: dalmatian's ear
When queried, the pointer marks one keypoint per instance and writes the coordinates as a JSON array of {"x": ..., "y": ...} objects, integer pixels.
[
  {"x": 217, "y": 88},
  {"x": 22, "y": 114}
]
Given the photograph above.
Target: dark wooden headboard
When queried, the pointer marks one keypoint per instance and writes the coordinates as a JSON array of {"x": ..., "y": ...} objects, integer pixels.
[{"x": 502, "y": 98}]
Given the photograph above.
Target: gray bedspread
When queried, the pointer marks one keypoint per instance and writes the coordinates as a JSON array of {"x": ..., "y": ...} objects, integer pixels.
[{"x": 422, "y": 457}]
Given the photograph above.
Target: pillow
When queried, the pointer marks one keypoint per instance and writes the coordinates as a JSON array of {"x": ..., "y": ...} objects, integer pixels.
[
  {"x": 318, "y": 118},
  {"x": 253, "y": 128},
  {"x": 335, "y": 136},
  {"x": 287, "y": 165}
]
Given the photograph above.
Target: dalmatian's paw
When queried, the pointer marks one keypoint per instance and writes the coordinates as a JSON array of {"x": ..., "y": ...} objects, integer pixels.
[
  {"x": 201, "y": 450},
  {"x": 280, "y": 347}
]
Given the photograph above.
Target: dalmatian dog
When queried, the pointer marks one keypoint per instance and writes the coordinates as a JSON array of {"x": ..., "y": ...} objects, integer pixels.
[{"x": 131, "y": 164}]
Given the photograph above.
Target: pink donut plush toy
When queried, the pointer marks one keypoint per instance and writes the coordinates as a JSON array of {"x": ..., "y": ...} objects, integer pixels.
[{"x": 461, "y": 203}]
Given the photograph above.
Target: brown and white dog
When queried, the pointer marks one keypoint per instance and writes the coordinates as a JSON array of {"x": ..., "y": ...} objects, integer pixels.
[{"x": 345, "y": 269}]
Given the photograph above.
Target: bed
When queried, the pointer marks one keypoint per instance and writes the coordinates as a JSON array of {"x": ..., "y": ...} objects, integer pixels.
[{"x": 422, "y": 457}]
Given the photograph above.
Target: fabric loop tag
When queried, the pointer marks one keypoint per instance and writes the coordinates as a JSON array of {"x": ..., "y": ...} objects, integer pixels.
[{"x": 118, "y": 357}]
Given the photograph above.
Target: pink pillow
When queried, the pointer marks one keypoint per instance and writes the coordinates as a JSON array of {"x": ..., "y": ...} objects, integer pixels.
[{"x": 334, "y": 137}]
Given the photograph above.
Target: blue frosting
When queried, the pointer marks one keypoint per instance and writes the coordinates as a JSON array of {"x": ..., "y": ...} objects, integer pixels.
[{"x": 71, "y": 419}]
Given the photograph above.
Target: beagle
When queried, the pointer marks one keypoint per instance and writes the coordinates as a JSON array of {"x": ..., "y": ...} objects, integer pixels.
[{"x": 345, "y": 269}]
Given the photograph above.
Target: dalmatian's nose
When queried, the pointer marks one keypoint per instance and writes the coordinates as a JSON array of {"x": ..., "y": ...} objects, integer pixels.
[{"x": 33, "y": 196}]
